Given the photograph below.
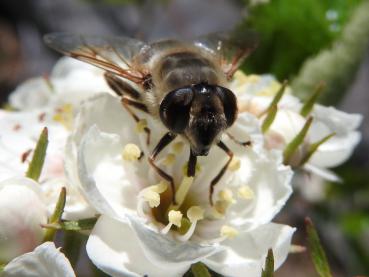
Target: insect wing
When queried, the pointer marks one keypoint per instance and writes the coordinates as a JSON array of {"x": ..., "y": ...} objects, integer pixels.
[
  {"x": 229, "y": 48},
  {"x": 113, "y": 54}
]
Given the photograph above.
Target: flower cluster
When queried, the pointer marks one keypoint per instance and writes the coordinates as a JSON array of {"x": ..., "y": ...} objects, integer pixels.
[{"x": 99, "y": 153}]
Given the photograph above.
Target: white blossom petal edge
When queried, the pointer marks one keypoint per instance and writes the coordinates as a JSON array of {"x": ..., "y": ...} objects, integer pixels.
[{"x": 44, "y": 261}]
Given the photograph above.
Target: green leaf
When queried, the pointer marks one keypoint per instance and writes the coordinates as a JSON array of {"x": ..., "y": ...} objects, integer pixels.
[
  {"x": 279, "y": 94},
  {"x": 72, "y": 225},
  {"x": 269, "y": 119},
  {"x": 296, "y": 142},
  {"x": 200, "y": 270},
  {"x": 309, "y": 104},
  {"x": 35, "y": 167},
  {"x": 57, "y": 214},
  {"x": 314, "y": 147},
  {"x": 268, "y": 270},
  {"x": 316, "y": 250}
]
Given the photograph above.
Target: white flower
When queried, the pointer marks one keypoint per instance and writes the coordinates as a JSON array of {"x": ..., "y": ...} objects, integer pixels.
[
  {"x": 255, "y": 93},
  {"x": 44, "y": 261},
  {"x": 48, "y": 102},
  {"x": 69, "y": 83},
  {"x": 140, "y": 232},
  {"x": 22, "y": 211}
]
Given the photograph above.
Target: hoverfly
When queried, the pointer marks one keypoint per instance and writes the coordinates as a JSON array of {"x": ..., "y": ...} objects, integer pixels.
[{"x": 182, "y": 83}]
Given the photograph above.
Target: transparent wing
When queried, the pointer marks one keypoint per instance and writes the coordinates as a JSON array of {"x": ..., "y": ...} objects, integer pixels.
[
  {"x": 229, "y": 48},
  {"x": 113, "y": 54}
]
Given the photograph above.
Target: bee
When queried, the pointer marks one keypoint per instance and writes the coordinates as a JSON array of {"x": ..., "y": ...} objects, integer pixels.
[{"x": 181, "y": 83}]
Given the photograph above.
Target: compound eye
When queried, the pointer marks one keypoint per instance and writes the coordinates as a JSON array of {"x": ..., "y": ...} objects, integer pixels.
[
  {"x": 229, "y": 101},
  {"x": 175, "y": 109}
]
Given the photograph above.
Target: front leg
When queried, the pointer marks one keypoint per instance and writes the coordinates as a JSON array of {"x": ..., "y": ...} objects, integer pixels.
[
  {"x": 222, "y": 146},
  {"x": 242, "y": 143},
  {"x": 164, "y": 141}
]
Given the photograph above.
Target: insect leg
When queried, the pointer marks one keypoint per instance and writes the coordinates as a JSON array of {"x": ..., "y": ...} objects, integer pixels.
[
  {"x": 127, "y": 102},
  {"x": 191, "y": 168},
  {"x": 124, "y": 89},
  {"x": 242, "y": 143},
  {"x": 222, "y": 146},
  {"x": 164, "y": 141}
]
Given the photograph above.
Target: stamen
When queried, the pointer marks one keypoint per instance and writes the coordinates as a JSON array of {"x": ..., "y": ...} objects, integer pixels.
[
  {"x": 194, "y": 214},
  {"x": 152, "y": 194},
  {"x": 152, "y": 197},
  {"x": 235, "y": 164},
  {"x": 226, "y": 195},
  {"x": 246, "y": 192},
  {"x": 131, "y": 152},
  {"x": 64, "y": 116},
  {"x": 169, "y": 159},
  {"x": 178, "y": 147},
  {"x": 141, "y": 125},
  {"x": 228, "y": 232},
  {"x": 160, "y": 187},
  {"x": 185, "y": 168},
  {"x": 182, "y": 191},
  {"x": 174, "y": 218}
]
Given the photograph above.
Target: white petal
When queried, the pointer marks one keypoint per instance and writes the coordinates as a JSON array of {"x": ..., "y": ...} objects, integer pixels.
[
  {"x": 162, "y": 249},
  {"x": 22, "y": 212},
  {"x": 245, "y": 254},
  {"x": 32, "y": 94},
  {"x": 336, "y": 150},
  {"x": 115, "y": 248},
  {"x": 106, "y": 183},
  {"x": 76, "y": 206},
  {"x": 44, "y": 261},
  {"x": 338, "y": 121},
  {"x": 322, "y": 172}
]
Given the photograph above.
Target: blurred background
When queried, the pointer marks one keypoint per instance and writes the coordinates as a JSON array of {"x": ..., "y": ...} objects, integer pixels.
[{"x": 304, "y": 41}]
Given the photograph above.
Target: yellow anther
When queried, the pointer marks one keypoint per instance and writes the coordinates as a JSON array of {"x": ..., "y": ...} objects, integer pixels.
[
  {"x": 226, "y": 195},
  {"x": 141, "y": 125},
  {"x": 131, "y": 152},
  {"x": 195, "y": 213},
  {"x": 175, "y": 217},
  {"x": 64, "y": 116},
  {"x": 67, "y": 108},
  {"x": 253, "y": 78},
  {"x": 228, "y": 232},
  {"x": 246, "y": 192},
  {"x": 152, "y": 197},
  {"x": 161, "y": 187},
  {"x": 220, "y": 208},
  {"x": 58, "y": 118},
  {"x": 169, "y": 159},
  {"x": 178, "y": 147},
  {"x": 235, "y": 164}
]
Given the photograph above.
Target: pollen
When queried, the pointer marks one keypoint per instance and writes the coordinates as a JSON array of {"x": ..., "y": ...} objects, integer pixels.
[
  {"x": 169, "y": 159},
  {"x": 131, "y": 152},
  {"x": 226, "y": 195},
  {"x": 178, "y": 147},
  {"x": 175, "y": 217},
  {"x": 195, "y": 213},
  {"x": 64, "y": 116},
  {"x": 152, "y": 197},
  {"x": 235, "y": 164},
  {"x": 228, "y": 232},
  {"x": 246, "y": 192},
  {"x": 141, "y": 125}
]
